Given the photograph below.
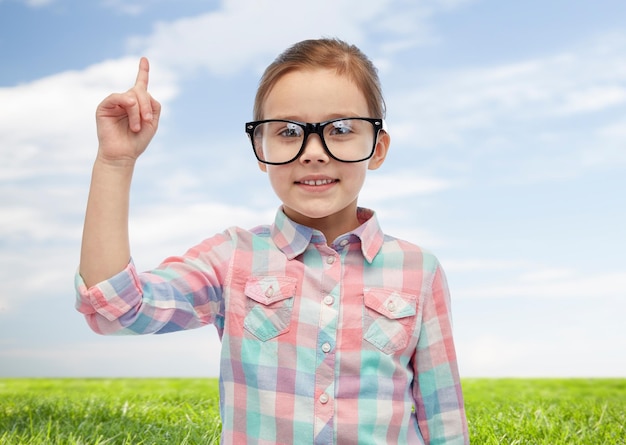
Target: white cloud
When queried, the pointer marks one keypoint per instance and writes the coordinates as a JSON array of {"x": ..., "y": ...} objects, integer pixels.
[
  {"x": 178, "y": 226},
  {"x": 37, "y": 3},
  {"x": 608, "y": 146},
  {"x": 593, "y": 98},
  {"x": 477, "y": 264},
  {"x": 196, "y": 352},
  {"x": 557, "y": 283},
  {"x": 529, "y": 111},
  {"x": 615, "y": 131},
  {"x": 543, "y": 88},
  {"x": 400, "y": 185},
  {"x": 214, "y": 41},
  {"x": 554, "y": 352},
  {"x": 25, "y": 222},
  {"x": 47, "y": 127},
  {"x": 36, "y": 272},
  {"x": 125, "y": 7}
]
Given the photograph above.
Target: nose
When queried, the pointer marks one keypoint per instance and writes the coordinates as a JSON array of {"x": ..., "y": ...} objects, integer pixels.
[{"x": 314, "y": 150}]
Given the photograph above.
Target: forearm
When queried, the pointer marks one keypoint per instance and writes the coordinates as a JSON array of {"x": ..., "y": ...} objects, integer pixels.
[{"x": 105, "y": 246}]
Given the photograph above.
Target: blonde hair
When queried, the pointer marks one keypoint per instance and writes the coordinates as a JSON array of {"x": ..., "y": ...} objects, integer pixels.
[{"x": 346, "y": 60}]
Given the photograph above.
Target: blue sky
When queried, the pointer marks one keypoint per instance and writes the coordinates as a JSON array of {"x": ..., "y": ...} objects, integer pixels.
[{"x": 508, "y": 160}]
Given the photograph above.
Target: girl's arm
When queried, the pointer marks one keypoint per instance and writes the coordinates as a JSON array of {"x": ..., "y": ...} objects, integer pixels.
[
  {"x": 438, "y": 396},
  {"x": 126, "y": 123}
]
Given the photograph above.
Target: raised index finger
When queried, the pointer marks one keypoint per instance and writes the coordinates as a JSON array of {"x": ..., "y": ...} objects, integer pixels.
[{"x": 142, "y": 75}]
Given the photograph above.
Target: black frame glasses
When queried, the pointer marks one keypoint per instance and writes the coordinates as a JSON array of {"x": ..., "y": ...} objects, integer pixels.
[{"x": 313, "y": 128}]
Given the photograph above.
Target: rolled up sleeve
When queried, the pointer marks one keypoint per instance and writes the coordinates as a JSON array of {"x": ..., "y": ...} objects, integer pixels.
[
  {"x": 183, "y": 292},
  {"x": 106, "y": 303}
]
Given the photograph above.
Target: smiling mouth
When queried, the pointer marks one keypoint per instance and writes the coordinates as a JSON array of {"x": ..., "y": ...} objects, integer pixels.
[{"x": 317, "y": 181}]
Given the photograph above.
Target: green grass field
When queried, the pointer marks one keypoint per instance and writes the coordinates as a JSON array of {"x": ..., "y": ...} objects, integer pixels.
[{"x": 185, "y": 411}]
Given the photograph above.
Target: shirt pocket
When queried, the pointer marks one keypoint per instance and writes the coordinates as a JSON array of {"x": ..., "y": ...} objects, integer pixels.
[
  {"x": 389, "y": 318},
  {"x": 269, "y": 305}
]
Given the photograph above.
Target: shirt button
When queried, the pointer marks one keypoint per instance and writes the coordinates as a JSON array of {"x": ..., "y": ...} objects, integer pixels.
[
  {"x": 326, "y": 347},
  {"x": 391, "y": 306},
  {"x": 344, "y": 242},
  {"x": 324, "y": 398},
  {"x": 269, "y": 292},
  {"x": 330, "y": 260},
  {"x": 329, "y": 300}
]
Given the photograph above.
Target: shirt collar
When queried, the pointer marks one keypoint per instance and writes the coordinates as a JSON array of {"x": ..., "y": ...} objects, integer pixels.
[{"x": 293, "y": 238}]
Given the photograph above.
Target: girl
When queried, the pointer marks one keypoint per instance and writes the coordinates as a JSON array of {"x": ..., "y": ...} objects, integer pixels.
[{"x": 332, "y": 331}]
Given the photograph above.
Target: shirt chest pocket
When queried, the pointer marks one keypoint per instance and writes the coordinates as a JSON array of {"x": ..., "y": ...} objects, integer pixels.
[
  {"x": 389, "y": 318},
  {"x": 269, "y": 305}
]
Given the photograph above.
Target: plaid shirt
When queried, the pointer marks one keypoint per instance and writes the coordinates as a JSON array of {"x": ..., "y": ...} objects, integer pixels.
[{"x": 347, "y": 343}]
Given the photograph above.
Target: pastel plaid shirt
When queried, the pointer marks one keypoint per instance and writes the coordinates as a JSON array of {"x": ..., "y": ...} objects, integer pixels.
[{"x": 347, "y": 343}]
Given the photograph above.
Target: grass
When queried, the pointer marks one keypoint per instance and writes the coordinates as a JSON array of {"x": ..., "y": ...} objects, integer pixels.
[
  {"x": 99, "y": 412},
  {"x": 546, "y": 411},
  {"x": 185, "y": 411}
]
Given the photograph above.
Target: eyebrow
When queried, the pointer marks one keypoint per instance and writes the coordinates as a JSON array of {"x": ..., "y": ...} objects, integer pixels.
[{"x": 328, "y": 117}]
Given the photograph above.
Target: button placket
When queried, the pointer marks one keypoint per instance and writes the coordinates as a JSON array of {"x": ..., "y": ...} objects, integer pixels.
[{"x": 330, "y": 287}]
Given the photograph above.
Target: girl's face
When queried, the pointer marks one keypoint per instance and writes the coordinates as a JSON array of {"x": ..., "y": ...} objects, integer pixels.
[{"x": 316, "y": 190}]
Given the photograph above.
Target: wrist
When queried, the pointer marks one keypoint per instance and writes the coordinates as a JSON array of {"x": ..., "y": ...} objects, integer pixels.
[
  {"x": 112, "y": 174},
  {"x": 126, "y": 163}
]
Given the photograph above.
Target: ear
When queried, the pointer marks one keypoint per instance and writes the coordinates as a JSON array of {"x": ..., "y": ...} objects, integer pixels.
[
  {"x": 262, "y": 166},
  {"x": 380, "y": 151}
]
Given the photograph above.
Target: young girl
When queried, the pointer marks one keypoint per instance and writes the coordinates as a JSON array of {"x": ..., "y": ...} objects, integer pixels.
[{"x": 332, "y": 331}]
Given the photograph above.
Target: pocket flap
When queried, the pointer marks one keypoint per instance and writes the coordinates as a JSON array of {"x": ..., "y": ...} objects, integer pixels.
[
  {"x": 391, "y": 304},
  {"x": 268, "y": 290}
]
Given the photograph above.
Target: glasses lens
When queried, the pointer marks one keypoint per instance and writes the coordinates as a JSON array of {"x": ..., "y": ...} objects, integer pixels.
[
  {"x": 277, "y": 141},
  {"x": 350, "y": 139}
]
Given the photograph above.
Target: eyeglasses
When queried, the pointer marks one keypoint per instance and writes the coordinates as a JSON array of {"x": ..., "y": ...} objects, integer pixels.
[{"x": 278, "y": 141}]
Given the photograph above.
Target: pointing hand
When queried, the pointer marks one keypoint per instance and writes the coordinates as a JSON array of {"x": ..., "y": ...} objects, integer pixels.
[{"x": 127, "y": 121}]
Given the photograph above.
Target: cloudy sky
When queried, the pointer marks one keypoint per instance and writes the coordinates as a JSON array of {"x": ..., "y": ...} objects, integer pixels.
[{"x": 508, "y": 160}]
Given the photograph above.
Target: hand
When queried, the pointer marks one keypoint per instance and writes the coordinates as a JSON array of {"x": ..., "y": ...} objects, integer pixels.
[{"x": 127, "y": 121}]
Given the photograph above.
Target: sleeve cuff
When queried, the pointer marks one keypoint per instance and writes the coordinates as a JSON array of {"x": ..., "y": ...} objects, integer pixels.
[{"x": 111, "y": 298}]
